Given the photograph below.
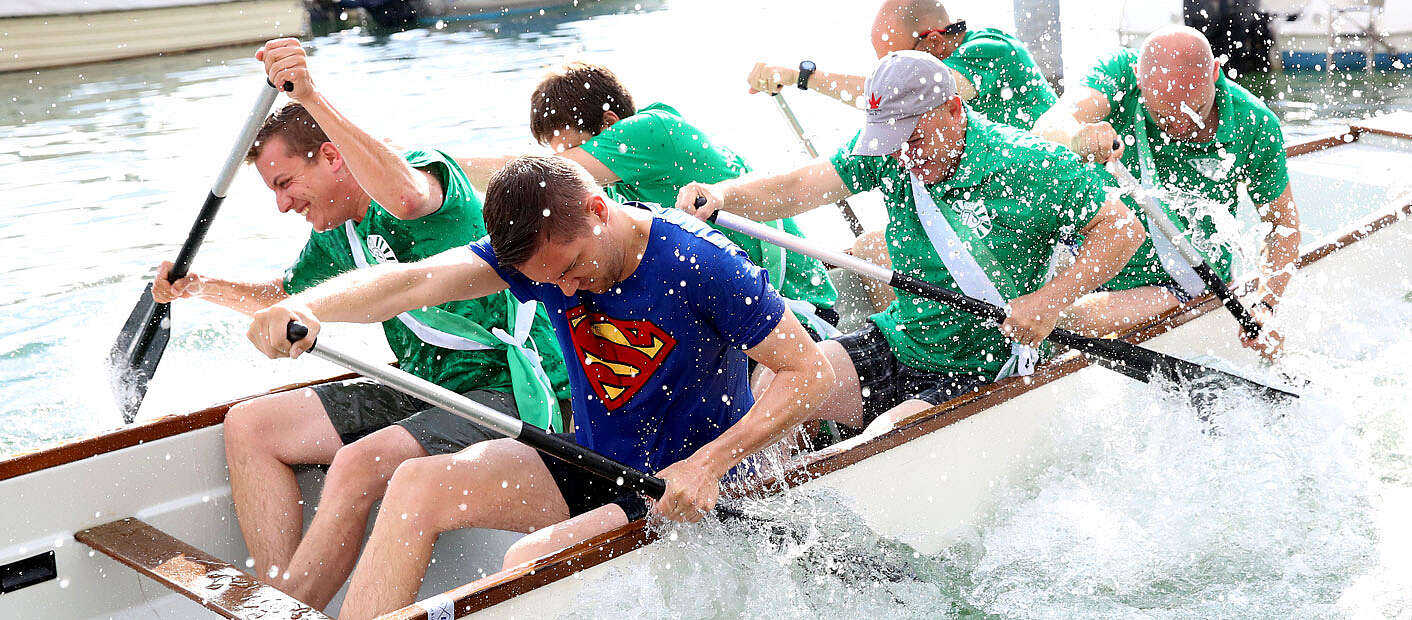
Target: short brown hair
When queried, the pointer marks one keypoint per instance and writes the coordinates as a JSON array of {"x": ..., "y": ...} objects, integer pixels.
[
  {"x": 292, "y": 123},
  {"x": 576, "y": 95},
  {"x": 531, "y": 200}
]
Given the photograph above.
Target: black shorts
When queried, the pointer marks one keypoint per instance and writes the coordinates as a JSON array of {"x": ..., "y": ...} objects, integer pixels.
[
  {"x": 584, "y": 492},
  {"x": 360, "y": 407},
  {"x": 886, "y": 382}
]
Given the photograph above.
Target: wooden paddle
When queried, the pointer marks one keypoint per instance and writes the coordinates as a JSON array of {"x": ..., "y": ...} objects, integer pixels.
[
  {"x": 144, "y": 336},
  {"x": 1156, "y": 216},
  {"x": 1129, "y": 359},
  {"x": 628, "y": 477}
]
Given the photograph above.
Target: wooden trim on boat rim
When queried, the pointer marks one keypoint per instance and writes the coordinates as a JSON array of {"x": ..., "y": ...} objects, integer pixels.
[
  {"x": 133, "y": 435},
  {"x": 500, "y": 587}
]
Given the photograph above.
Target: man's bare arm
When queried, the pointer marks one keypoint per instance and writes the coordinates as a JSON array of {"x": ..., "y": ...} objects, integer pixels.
[
  {"x": 1110, "y": 239},
  {"x": 406, "y": 192},
  {"x": 1281, "y": 247},
  {"x": 1077, "y": 122},
  {"x": 376, "y": 294},
  {"x": 479, "y": 169},
  {"x": 766, "y": 198},
  {"x": 802, "y": 379},
  {"x": 844, "y": 87},
  {"x": 243, "y": 297}
]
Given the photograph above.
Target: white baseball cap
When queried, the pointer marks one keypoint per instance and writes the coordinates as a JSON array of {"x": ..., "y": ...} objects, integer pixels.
[{"x": 904, "y": 86}]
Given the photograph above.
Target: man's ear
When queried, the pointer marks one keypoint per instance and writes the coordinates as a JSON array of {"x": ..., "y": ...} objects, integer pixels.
[
  {"x": 597, "y": 207},
  {"x": 955, "y": 107},
  {"x": 609, "y": 117},
  {"x": 329, "y": 155}
]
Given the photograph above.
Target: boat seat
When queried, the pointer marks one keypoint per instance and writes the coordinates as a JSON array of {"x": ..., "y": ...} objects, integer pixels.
[{"x": 212, "y": 582}]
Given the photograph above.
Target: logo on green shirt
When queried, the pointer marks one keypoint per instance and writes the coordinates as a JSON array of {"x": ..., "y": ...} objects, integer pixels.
[
  {"x": 1214, "y": 168},
  {"x": 975, "y": 215},
  {"x": 380, "y": 248}
]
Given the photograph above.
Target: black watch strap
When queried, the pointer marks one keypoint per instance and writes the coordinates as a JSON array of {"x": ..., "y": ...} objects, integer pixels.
[{"x": 806, "y": 71}]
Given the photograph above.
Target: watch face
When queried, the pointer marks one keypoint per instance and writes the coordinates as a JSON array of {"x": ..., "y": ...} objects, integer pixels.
[{"x": 807, "y": 65}]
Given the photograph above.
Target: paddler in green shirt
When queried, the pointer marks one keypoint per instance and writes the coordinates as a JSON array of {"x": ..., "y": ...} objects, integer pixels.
[
  {"x": 994, "y": 74},
  {"x": 1196, "y": 137},
  {"x": 367, "y": 205},
  {"x": 646, "y": 155},
  {"x": 972, "y": 205}
]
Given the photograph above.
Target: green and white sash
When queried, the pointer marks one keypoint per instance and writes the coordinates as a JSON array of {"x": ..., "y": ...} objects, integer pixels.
[
  {"x": 961, "y": 262},
  {"x": 1172, "y": 262},
  {"x": 534, "y": 392},
  {"x": 775, "y": 259}
]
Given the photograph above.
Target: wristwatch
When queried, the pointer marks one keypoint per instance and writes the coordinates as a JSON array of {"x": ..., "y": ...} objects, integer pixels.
[{"x": 806, "y": 70}]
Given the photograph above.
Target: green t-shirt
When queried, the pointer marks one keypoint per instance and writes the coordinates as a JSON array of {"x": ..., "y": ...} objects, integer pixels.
[
  {"x": 457, "y": 223},
  {"x": 1020, "y": 196},
  {"x": 655, "y": 153},
  {"x": 1248, "y": 150},
  {"x": 1010, "y": 89}
]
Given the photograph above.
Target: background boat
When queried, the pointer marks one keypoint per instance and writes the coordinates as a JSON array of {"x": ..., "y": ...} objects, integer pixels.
[{"x": 49, "y": 33}]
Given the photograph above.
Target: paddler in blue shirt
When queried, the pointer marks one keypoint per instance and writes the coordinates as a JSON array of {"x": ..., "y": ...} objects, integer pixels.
[{"x": 656, "y": 313}]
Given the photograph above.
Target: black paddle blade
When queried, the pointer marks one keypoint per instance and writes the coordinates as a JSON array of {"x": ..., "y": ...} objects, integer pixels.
[
  {"x": 1201, "y": 377},
  {"x": 1145, "y": 364},
  {"x": 135, "y": 355}
]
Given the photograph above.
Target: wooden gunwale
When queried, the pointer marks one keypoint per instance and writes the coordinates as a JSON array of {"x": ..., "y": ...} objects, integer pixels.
[
  {"x": 128, "y": 436},
  {"x": 500, "y": 587}
]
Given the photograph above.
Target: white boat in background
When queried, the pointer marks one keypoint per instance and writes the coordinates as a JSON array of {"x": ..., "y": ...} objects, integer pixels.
[
  {"x": 1307, "y": 34},
  {"x": 35, "y": 34},
  {"x": 99, "y": 516}
]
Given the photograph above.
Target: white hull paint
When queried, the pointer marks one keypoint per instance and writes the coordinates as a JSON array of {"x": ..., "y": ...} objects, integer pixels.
[{"x": 39, "y": 41}]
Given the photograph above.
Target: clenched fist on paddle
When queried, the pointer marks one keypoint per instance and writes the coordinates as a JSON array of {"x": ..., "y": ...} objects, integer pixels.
[
  {"x": 269, "y": 331},
  {"x": 286, "y": 62}
]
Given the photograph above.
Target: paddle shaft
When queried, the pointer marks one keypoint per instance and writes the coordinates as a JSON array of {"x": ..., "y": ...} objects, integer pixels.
[
  {"x": 217, "y": 194},
  {"x": 852, "y": 218},
  {"x": 1157, "y": 216},
  {"x": 1124, "y": 357},
  {"x": 514, "y": 428},
  {"x": 136, "y": 354}
]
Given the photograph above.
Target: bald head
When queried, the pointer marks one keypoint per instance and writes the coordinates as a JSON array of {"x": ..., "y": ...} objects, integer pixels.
[
  {"x": 1177, "y": 74},
  {"x": 900, "y": 21}
]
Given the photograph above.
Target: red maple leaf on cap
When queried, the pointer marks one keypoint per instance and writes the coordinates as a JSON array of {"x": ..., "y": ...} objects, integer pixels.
[{"x": 874, "y": 101}]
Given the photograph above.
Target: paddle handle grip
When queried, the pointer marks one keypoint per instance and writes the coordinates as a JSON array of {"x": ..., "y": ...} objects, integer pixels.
[{"x": 296, "y": 331}]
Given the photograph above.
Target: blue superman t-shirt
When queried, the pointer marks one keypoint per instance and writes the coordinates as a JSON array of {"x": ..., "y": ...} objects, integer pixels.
[{"x": 661, "y": 358}]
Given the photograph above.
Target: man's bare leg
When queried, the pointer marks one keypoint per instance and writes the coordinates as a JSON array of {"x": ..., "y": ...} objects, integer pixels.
[
  {"x": 1115, "y": 312},
  {"x": 264, "y": 438},
  {"x": 872, "y": 247},
  {"x": 499, "y": 484},
  {"x": 561, "y": 535},
  {"x": 357, "y": 480}
]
